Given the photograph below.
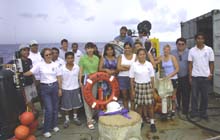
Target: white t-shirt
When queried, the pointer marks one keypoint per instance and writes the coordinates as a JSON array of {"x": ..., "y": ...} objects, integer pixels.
[
  {"x": 77, "y": 56},
  {"x": 48, "y": 72},
  {"x": 60, "y": 62},
  {"x": 62, "y": 53},
  {"x": 200, "y": 59},
  {"x": 70, "y": 78},
  {"x": 35, "y": 58},
  {"x": 141, "y": 73},
  {"x": 125, "y": 61}
]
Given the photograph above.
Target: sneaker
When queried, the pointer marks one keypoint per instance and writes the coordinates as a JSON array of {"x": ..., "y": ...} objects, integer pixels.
[
  {"x": 77, "y": 121},
  {"x": 153, "y": 128},
  {"x": 163, "y": 117},
  {"x": 66, "y": 124},
  {"x": 56, "y": 129},
  {"x": 205, "y": 117},
  {"x": 172, "y": 115},
  {"x": 193, "y": 115},
  {"x": 47, "y": 135}
]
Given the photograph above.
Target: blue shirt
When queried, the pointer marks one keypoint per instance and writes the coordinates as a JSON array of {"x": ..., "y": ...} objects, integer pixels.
[
  {"x": 182, "y": 61},
  {"x": 124, "y": 39}
]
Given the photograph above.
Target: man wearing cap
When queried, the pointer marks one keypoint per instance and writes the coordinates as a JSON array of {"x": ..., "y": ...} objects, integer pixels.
[
  {"x": 77, "y": 53},
  {"x": 29, "y": 86},
  {"x": 123, "y": 36},
  {"x": 34, "y": 53}
]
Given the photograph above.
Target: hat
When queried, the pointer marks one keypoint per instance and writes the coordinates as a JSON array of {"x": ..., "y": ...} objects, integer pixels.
[
  {"x": 23, "y": 46},
  {"x": 33, "y": 42},
  {"x": 113, "y": 107}
]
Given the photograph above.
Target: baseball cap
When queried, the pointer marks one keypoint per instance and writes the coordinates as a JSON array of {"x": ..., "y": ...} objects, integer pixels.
[
  {"x": 33, "y": 42},
  {"x": 23, "y": 46}
]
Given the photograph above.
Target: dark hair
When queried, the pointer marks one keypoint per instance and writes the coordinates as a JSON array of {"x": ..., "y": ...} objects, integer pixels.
[
  {"x": 129, "y": 32},
  {"x": 138, "y": 42},
  {"x": 89, "y": 45},
  {"x": 124, "y": 28},
  {"x": 96, "y": 51},
  {"x": 68, "y": 54},
  {"x": 127, "y": 43},
  {"x": 64, "y": 40},
  {"x": 147, "y": 45},
  {"x": 108, "y": 46},
  {"x": 56, "y": 50},
  {"x": 76, "y": 44},
  {"x": 43, "y": 51},
  {"x": 181, "y": 39},
  {"x": 200, "y": 34},
  {"x": 141, "y": 49}
]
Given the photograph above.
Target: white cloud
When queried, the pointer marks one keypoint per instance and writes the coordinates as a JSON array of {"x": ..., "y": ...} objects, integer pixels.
[
  {"x": 148, "y": 5},
  {"x": 93, "y": 20}
]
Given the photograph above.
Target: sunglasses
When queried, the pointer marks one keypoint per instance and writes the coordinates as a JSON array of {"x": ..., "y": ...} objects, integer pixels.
[
  {"x": 48, "y": 54},
  {"x": 180, "y": 44}
]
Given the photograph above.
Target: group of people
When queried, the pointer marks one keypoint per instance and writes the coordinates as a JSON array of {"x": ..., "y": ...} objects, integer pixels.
[{"x": 60, "y": 74}]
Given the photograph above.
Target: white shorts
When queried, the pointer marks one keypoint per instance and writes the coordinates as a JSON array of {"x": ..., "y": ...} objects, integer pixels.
[{"x": 30, "y": 92}]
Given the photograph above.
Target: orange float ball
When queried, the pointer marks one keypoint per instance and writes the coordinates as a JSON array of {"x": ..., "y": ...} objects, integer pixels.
[
  {"x": 26, "y": 118},
  {"x": 21, "y": 132}
]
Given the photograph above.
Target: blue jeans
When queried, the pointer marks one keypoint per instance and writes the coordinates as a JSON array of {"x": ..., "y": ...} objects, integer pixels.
[
  {"x": 199, "y": 88},
  {"x": 50, "y": 98}
]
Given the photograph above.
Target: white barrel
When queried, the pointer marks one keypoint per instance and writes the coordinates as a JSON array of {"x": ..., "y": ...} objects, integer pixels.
[
  {"x": 164, "y": 105},
  {"x": 117, "y": 127}
]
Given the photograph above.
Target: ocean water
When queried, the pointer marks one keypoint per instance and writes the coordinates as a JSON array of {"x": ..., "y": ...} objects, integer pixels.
[{"x": 7, "y": 51}]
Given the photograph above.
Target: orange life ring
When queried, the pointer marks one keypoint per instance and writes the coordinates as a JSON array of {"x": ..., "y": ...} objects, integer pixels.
[{"x": 87, "y": 89}]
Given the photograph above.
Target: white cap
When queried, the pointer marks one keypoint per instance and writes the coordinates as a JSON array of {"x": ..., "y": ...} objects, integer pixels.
[
  {"x": 113, "y": 107},
  {"x": 23, "y": 46},
  {"x": 33, "y": 42}
]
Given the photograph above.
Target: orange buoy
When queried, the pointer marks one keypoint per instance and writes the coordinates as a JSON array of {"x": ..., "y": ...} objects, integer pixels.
[{"x": 87, "y": 90}]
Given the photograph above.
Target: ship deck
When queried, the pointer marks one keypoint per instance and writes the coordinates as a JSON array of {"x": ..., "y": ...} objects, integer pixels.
[{"x": 179, "y": 128}]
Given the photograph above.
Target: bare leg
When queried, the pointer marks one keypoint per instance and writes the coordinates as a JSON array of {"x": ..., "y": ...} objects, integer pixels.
[
  {"x": 139, "y": 110},
  {"x": 125, "y": 98},
  {"x": 174, "y": 100},
  {"x": 132, "y": 102},
  {"x": 151, "y": 111},
  {"x": 144, "y": 108}
]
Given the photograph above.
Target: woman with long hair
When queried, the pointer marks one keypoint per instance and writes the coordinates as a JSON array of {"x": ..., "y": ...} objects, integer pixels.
[{"x": 108, "y": 64}]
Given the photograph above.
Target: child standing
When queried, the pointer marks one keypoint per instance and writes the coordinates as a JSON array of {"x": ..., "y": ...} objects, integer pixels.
[
  {"x": 71, "y": 98},
  {"x": 141, "y": 76}
]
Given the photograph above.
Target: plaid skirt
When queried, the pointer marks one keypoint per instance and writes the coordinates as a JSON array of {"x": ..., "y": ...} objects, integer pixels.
[{"x": 143, "y": 94}]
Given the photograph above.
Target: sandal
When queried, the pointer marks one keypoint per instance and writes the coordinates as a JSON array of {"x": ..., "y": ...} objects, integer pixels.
[
  {"x": 90, "y": 125},
  {"x": 93, "y": 121}
]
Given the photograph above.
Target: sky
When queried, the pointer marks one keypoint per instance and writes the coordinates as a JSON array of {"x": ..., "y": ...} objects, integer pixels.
[{"x": 49, "y": 21}]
